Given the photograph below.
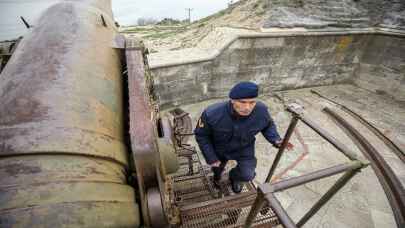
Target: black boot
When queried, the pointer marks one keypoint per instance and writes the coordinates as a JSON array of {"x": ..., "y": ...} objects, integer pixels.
[
  {"x": 217, "y": 175},
  {"x": 264, "y": 209},
  {"x": 236, "y": 186}
]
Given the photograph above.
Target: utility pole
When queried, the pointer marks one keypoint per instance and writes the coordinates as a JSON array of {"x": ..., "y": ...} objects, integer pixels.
[{"x": 189, "y": 14}]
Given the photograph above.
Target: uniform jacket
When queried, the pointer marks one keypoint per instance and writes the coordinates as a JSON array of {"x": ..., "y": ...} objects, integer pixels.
[{"x": 223, "y": 135}]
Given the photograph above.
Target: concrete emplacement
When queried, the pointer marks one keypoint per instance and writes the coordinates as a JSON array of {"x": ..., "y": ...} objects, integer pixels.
[
  {"x": 363, "y": 70},
  {"x": 61, "y": 126}
]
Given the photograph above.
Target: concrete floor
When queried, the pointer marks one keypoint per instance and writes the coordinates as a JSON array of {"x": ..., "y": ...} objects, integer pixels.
[{"x": 362, "y": 202}]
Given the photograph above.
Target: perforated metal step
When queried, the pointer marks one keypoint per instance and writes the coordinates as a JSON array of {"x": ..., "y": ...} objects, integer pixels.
[{"x": 201, "y": 204}]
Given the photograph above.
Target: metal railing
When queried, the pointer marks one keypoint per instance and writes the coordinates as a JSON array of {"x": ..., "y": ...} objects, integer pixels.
[{"x": 266, "y": 192}]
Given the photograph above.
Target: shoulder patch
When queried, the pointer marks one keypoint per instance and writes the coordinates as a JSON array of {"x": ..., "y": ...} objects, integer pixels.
[{"x": 200, "y": 123}]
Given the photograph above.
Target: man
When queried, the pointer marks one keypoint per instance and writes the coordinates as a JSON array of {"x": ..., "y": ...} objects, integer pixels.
[{"x": 226, "y": 131}]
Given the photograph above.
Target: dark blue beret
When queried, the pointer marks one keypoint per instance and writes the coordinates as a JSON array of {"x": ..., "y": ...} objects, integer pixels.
[{"x": 244, "y": 90}]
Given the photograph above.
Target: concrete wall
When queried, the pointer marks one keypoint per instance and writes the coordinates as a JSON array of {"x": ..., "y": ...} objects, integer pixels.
[
  {"x": 382, "y": 66},
  {"x": 275, "y": 63}
]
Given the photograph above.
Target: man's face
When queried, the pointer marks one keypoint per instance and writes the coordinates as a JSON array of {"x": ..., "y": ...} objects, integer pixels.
[{"x": 244, "y": 106}]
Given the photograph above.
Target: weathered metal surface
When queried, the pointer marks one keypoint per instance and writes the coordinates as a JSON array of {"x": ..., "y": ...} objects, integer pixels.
[
  {"x": 182, "y": 125},
  {"x": 323, "y": 133},
  {"x": 391, "y": 184},
  {"x": 62, "y": 157},
  {"x": 61, "y": 90},
  {"x": 281, "y": 213},
  {"x": 169, "y": 163},
  {"x": 156, "y": 212},
  {"x": 327, "y": 196},
  {"x": 142, "y": 127},
  {"x": 79, "y": 214}
]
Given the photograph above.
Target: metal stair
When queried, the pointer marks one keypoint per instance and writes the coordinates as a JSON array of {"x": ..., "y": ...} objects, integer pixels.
[{"x": 202, "y": 205}]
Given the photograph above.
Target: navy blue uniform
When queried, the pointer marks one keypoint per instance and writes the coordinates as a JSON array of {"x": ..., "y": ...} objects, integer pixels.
[{"x": 223, "y": 135}]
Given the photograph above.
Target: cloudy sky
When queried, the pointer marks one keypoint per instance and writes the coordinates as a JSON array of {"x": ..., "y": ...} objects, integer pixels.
[{"x": 126, "y": 12}]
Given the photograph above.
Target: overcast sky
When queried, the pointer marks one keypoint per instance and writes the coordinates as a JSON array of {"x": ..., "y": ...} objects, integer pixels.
[{"x": 126, "y": 12}]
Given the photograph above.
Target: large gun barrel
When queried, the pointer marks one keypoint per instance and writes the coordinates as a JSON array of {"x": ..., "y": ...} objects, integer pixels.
[{"x": 63, "y": 162}]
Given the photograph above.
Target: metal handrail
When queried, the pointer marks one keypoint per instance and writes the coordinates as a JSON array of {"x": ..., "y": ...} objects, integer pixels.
[{"x": 266, "y": 191}]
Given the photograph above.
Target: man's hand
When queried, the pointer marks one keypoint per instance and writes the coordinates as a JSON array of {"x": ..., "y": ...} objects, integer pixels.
[
  {"x": 289, "y": 146},
  {"x": 215, "y": 164}
]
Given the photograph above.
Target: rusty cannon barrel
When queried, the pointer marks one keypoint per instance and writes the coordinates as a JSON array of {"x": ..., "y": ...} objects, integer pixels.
[{"x": 63, "y": 162}]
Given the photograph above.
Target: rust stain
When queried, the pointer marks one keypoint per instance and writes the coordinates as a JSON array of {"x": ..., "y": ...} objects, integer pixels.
[
  {"x": 20, "y": 110},
  {"x": 36, "y": 70},
  {"x": 297, "y": 161},
  {"x": 6, "y": 148},
  {"x": 44, "y": 82},
  {"x": 16, "y": 169},
  {"x": 93, "y": 170},
  {"x": 6, "y": 135}
]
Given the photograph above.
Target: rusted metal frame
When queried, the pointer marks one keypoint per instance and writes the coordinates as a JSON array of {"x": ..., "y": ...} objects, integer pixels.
[
  {"x": 390, "y": 183},
  {"x": 156, "y": 211},
  {"x": 268, "y": 189},
  {"x": 142, "y": 127},
  {"x": 232, "y": 209},
  {"x": 284, "y": 144},
  {"x": 242, "y": 195},
  {"x": 186, "y": 198},
  {"x": 207, "y": 182},
  {"x": 190, "y": 164},
  {"x": 394, "y": 147},
  {"x": 183, "y": 125},
  {"x": 188, "y": 156},
  {"x": 257, "y": 205},
  {"x": 317, "y": 175},
  {"x": 328, "y": 195},
  {"x": 186, "y": 177},
  {"x": 186, "y": 162},
  {"x": 213, "y": 206},
  {"x": 324, "y": 134},
  {"x": 282, "y": 215},
  {"x": 191, "y": 190}
]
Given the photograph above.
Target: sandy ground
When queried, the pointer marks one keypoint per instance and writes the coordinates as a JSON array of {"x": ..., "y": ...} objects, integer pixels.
[{"x": 243, "y": 15}]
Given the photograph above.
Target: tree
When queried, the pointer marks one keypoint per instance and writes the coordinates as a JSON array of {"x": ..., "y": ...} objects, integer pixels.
[{"x": 146, "y": 21}]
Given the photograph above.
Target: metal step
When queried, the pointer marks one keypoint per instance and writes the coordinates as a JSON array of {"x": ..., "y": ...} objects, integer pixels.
[
  {"x": 201, "y": 204},
  {"x": 228, "y": 210}
]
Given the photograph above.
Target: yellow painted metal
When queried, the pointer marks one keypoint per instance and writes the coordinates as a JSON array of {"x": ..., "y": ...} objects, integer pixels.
[
  {"x": 168, "y": 156},
  {"x": 79, "y": 214},
  {"x": 62, "y": 158}
]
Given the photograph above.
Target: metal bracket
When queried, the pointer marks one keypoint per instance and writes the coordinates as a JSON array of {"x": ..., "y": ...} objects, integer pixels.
[{"x": 295, "y": 109}]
